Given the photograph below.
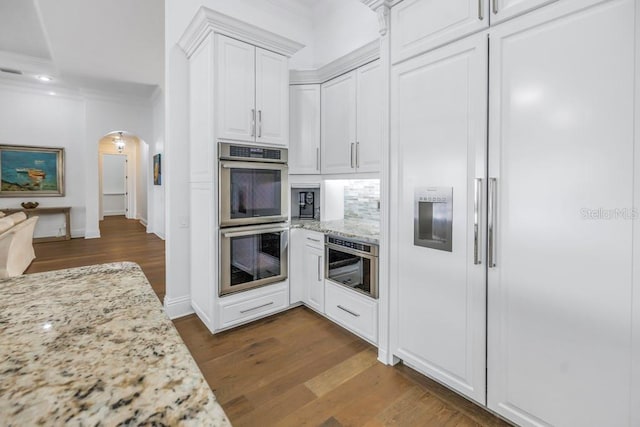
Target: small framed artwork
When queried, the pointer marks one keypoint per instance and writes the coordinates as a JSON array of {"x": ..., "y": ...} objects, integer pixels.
[
  {"x": 31, "y": 171},
  {"x": 157, "y": 170}
]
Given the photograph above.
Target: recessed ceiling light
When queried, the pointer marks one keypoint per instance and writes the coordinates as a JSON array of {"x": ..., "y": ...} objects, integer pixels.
[
  {"x": 44, "y": 78},
  {"x": 52, "y": 93}
]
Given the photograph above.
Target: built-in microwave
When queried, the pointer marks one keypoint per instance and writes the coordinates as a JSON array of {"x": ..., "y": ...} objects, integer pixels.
[
  {"x": 253, "y": 184},
  {"x": 252, "y": 256},
  {"x": 352, "y": 264}
]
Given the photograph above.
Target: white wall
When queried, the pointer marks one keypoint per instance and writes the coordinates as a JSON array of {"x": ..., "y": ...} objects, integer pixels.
[
  {"x": 105, "y": 115},
  {"x": 156, "y": 198},
  {"x": 76, "y": 121},
  {"x": 339, "y": 27},
  {"x": 38, "y": 119}
]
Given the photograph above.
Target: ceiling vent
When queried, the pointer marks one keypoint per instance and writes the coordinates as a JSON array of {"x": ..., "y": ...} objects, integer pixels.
[{"x": 11, "y": 71}]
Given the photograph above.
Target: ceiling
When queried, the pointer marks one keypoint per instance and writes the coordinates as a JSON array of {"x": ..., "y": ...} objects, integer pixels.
[{"x": 113, "y": 45}]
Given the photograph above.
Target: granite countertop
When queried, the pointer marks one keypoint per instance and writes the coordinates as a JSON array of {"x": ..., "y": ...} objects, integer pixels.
[
  {"x": 93, "y": 346},
  {"x": 366, "y": 231}
]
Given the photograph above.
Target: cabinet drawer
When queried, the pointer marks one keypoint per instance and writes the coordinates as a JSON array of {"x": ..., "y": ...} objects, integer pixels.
[
  {"x": 314, "y": 239},
  {"x": 252, "y": 308},
  {"x": 357, "y": 313}
]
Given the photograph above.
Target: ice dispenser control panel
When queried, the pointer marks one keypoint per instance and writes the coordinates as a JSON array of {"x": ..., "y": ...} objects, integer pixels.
[{"x": 433, "y": 218}]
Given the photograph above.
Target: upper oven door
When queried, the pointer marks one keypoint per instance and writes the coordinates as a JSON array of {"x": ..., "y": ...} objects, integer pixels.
[{"x": 252, "y": 193}]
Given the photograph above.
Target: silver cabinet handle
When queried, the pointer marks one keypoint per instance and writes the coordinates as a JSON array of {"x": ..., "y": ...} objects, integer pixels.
[
  {"x": 318, "y": 158},
  {"x": 255, "y": 308},
  {"x": 495, "y": 7},
  {"x": 259, "y": 123},
  {"x": 357, "y": 154},
  {"x": 492, "y": 222},
  {"x": 348, "y": 311},
  {"x": 351, "y": 158},
  {"x": 319, "y": 268},
  {"x": 477, "y": 200},
  {"x": 253, "y": 122},
  {"x": 480, "y": 10},
  {"x": 313, "y": 240}
]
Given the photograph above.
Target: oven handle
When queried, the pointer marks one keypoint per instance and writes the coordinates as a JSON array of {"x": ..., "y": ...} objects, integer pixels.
[
  {"x": 350, "y": 251},
  {"x": 253, "y": 232},
  {"x": 235, "y": 164}
]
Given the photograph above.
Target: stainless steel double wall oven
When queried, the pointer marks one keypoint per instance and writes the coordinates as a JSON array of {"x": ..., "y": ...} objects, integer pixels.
[{"x": 253, "y": 212}]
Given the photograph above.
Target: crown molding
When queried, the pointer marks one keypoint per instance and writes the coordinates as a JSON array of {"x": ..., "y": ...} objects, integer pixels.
[
  {"x": 351, "y": 61},
  {"x": 207, "y": 21},
  {"x": 29, "y": 65},
  {"x": 374, "y": 4}
]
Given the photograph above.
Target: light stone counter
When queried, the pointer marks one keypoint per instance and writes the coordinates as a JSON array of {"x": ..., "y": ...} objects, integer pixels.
[
  {"x": 365, "y": 231},
  {"x": 92, "y": 346}
]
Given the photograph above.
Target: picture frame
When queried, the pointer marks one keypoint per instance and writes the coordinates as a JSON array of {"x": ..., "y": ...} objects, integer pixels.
[
  {"x": 27, "y": 171},
  {"x": 157, "y": 170}
]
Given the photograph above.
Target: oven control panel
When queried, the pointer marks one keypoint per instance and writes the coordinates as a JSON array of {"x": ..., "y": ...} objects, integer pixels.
[
  {"x": 358, "y": 246},
  {"x": 241, "y": 152}
]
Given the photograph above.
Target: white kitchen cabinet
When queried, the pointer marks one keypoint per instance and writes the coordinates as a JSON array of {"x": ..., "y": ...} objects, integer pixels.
[
  {"x": 351, "y": 120},
  {"x": 314, "y": 270},
  {"x": 252, "y": 93},
  {"x": 562, "y": 152},
  {"x": 235, "y": 74},
  {"x": 297, "y": 292},
  {"x": 352, "y": 311},
  {"x": 272, "y": 98},
  {"x": 338, "y": 118},
  {"x": 501, "y": 10},
  {"x": 438, "y": 306},
  {"x": 422, "y": 25},
  {"x": 369, "y": 117},
  {"x": 304, "y": 125}
]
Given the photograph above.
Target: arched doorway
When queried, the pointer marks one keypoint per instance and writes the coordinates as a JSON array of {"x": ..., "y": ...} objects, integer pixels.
[{"x": 122, "y": 167}]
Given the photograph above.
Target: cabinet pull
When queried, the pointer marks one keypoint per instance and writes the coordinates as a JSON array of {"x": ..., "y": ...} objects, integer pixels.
[
  {"x": 357, "y": 154},
  {"x": 259, "y": 123},
  {"x": 348, "y": 311},
  {"x": 319, "y": 268},
  {"x": 253, "y": 122},
  {"x": 351, "y": 154},
  {"x": 495, "y": 7},
  {"x": 255, "y": 308},
  {"x": 318, "y": 159},
  {"x": 481, "y": 10},
  {"x": 492, "y": 222},
  {"x": 313, "y": 240},
  {"x": 477, "y": 200}
]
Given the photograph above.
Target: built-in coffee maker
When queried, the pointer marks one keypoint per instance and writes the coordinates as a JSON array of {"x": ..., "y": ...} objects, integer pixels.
[{"x": 305, "y": 203}]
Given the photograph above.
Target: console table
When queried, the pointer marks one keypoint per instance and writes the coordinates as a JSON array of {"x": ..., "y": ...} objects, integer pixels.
[{"x": 66, "y": 210}]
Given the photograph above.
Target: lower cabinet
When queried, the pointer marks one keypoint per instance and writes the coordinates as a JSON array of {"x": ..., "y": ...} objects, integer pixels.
[
  {"x": 353, "y": 311},
  {"x": 250, "y": 305}
]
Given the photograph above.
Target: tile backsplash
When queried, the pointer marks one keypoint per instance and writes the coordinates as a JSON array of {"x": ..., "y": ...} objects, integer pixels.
[{"x": 362, "y": 199}]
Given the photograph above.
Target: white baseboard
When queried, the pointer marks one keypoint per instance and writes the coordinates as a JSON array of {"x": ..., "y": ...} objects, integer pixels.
[
  {"x": 160, "y": 235},
  {"x": 178, "y": 307},
  {"x": 143, "y": 221},
  {"x": 91, "y": 234}
]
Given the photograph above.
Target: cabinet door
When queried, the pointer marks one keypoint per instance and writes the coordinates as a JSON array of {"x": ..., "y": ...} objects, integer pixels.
[
  {"x": 314, "y": 265},
  {"x": 272, "y": 98},
  {"x": 422, "y": 25},
  {"x": 304, "y": 125},
  {"x": 562, "y": 150},
  {"x": 338, "y": 118},
  {"x": 439, "y": 111},
  {"x": 501, "y": 10},
  {"x": 369, "y": 118},
  {"x": 235, "y": 89}
]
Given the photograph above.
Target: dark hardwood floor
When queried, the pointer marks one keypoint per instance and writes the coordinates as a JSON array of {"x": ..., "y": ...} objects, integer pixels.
[{"x": 292, "y": 369}]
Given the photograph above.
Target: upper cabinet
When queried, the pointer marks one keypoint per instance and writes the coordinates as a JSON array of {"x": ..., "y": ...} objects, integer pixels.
[
  {"x": 352, "y": 121},
  {"x": 419, "y": 25},
  {"x": 304, "y": 129},
  {"x": 422, "y": 25},
  {"x": 252, "y": 98},
  {"x": 501, "y": 10}
]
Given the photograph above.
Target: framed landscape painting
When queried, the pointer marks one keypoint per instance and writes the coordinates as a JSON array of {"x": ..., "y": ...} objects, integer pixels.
[{"x": 31, "y": 171}]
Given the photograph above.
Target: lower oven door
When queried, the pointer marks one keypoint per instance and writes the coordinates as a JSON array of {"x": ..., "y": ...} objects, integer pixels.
[
  {"x": 251, "y": 257},
  {"x": 353, "y": 269}
]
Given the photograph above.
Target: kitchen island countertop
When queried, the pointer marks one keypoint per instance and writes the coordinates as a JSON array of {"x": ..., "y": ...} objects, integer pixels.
[
  {"x": 93, "y": 346},
  {"x": 363, "y": 230}
]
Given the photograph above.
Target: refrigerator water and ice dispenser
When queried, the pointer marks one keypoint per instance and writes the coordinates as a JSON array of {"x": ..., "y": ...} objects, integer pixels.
[{"x": 433, "y": 218}]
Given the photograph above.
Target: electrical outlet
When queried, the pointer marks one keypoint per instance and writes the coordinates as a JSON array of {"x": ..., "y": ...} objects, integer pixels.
[{"x": 183, "y": 222}]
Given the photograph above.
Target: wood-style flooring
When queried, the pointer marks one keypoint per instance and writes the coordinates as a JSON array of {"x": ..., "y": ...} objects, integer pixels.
[{"x": 292, "y": 369}]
